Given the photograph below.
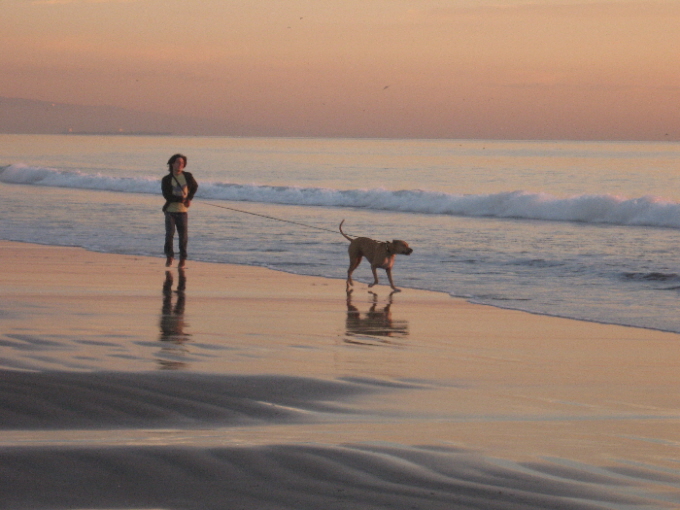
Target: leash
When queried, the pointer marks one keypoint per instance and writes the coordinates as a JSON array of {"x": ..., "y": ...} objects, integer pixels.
[{"x": 268, "y": 217}]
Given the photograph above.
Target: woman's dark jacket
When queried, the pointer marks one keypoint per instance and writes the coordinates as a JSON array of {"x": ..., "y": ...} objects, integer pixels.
[{"x": 166, "y": 187}]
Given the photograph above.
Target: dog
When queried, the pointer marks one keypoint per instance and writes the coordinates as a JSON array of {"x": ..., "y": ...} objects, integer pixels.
[{"x": 379, "y": 254}]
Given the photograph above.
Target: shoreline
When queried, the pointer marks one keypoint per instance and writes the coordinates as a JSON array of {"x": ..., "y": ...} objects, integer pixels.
[
  {"x": 112, "y": 360},
  {"x": 364, "y": 287}
]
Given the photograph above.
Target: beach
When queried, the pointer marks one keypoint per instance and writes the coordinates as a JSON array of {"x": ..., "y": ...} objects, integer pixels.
[
  {"x": 585, "y": 231},
  {"x": 128, "y": 385}
]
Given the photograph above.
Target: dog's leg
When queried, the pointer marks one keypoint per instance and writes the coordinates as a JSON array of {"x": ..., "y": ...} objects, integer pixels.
[
  {"x": 375, "y": 276},
  {"x": 389, "y": 277},
  {"x": 353, "y": 264}
]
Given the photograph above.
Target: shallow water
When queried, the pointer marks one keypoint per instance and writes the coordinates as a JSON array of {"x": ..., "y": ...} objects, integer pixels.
[{"x": 576, "y": 229}]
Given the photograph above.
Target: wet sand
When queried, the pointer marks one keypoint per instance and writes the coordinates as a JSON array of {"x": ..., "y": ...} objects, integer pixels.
[{"x": 125, "y": 385}]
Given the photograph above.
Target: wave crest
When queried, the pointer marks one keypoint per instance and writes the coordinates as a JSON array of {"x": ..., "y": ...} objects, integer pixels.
[{"x": 596, "y": 209}]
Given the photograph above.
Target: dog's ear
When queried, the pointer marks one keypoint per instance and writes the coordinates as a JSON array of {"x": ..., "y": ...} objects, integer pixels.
[{"x": 390, "y": 247}]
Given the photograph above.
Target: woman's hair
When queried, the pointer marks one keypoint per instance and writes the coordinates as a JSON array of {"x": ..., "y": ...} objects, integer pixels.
[{"x": 174, "y": 158}]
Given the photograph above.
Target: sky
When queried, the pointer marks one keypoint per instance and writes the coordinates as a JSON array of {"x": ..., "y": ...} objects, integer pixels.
[{"x": 491, "y": 69}]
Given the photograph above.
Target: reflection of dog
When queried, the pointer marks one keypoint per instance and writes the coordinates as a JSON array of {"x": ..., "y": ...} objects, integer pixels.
[
  {"x": 379, "y": 254},
  {"x": 377, "y": 322}
]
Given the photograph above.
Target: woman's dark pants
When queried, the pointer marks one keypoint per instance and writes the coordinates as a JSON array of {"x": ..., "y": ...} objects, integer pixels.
[{"x": 179, "y": 221}]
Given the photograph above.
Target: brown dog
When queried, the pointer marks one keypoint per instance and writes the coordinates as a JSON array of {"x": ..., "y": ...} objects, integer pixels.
[{"x": 379, "y": 254}]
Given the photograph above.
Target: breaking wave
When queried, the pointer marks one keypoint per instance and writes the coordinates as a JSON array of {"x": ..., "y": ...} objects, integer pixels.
[{"x": 596, "y": 209}]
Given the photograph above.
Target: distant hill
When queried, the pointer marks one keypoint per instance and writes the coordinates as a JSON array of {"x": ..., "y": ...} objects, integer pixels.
[{"x": 43, "y": 117}]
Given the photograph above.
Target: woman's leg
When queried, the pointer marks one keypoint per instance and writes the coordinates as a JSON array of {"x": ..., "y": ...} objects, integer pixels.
[
  {"x": 182, "y": 221},
  {"x": 169, "y": 235}
]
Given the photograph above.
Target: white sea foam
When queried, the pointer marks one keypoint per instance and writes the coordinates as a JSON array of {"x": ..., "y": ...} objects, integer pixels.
[{"x": 596, "y": 209}]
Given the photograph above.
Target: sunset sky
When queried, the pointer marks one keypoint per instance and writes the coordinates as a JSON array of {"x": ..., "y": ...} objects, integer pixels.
[{"x": 504, "y": 69}]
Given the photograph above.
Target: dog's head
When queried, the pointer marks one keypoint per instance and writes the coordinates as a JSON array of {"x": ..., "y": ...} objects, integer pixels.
[{"x": 398, "y": 247}]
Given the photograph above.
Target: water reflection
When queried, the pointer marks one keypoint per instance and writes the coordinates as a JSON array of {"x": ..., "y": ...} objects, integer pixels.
[
  {"x": 172, "y": 322},
  {"x": 374, "y": 326}
]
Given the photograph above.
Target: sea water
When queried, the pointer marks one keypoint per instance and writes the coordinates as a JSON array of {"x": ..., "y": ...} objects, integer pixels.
[{"x": 585, "y": 230}]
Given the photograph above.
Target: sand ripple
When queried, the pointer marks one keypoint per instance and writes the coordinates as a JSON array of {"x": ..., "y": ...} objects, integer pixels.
[{"x": 67, "y": 400}]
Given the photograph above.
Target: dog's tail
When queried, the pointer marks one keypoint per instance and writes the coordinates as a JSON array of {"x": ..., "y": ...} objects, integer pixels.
[{"x": 344, "y": 235}]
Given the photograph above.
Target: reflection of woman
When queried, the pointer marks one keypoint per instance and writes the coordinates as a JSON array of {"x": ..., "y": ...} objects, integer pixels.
[
  {"x": 172, "y": 324},
  {"x": 172, "y": 319},
  {"x": 178, "y": 189}
]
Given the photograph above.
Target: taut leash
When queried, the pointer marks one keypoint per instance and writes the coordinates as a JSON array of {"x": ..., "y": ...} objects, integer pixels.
[{"x": 268, "y": 217}]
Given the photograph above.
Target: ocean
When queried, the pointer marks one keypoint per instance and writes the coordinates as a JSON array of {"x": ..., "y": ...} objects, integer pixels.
[{"x": 583, "y": 230}]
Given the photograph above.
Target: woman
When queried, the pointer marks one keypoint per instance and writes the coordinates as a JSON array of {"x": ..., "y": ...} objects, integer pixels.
[{"x": 179, "y": 188}]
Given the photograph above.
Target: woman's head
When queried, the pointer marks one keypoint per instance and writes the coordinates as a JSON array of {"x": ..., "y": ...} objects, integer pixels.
[{"x": 174, "y": 158}]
